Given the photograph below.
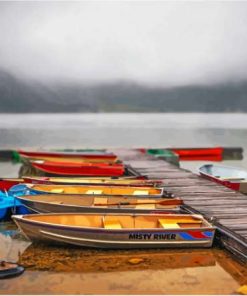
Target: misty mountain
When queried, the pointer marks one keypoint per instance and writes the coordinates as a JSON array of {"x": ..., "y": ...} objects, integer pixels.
[{"x": 19, "y": 95}]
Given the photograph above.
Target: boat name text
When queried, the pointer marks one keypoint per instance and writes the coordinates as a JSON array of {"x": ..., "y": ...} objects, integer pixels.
[{"x": 153, "y": 236}]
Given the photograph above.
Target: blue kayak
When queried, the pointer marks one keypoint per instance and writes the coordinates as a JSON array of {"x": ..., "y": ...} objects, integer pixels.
[
  {"x": 21, "y": 189},
  {"x": 9, "y": 205}
]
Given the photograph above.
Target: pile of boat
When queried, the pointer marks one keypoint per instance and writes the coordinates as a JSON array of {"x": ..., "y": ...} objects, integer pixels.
[{"x": 88, "y": 198}]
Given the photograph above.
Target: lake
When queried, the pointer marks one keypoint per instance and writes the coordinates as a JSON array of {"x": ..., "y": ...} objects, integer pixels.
[
  {"x": 122, "y": 130},
  {"x": 95, "y": 130}
]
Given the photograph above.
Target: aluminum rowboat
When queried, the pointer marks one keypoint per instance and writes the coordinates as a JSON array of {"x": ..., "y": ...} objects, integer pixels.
[
  {"x": 118, "y": 231},
  {"x": 56, "y": 203},
  {"x": 233, "y": 178},
  {"x": 95, "y": 190}
]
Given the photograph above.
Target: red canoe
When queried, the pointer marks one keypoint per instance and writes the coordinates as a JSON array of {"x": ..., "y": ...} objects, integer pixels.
[
  {"x": 30, "y": 154},
  {"x": 213, "y": 154},
  {"x": 77, "y": 169},
  {"x": 191, "y": 154}
]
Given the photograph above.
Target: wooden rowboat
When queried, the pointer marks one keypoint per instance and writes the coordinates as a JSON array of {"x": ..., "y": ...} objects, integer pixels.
[
  {"x": 234, "y": 178},
  {"x": 117, "y": 231},
  {"x": 95, "y": 190},
  {"x": 102, "y": 155},
  {"x": 94, "y": 181},
  {"x": 79, "y": 169},
  {"x": 56, "y": 203}
]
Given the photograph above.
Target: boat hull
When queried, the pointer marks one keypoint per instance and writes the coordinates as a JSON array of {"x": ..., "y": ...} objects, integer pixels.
[
  {"x": 45, "y": 207},
  {"x": 116, "y": 239}
]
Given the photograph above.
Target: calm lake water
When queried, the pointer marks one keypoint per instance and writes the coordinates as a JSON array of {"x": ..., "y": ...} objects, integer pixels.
[
  {"x": 122, "y": 130},
  {"x": 52, "y": 270}
]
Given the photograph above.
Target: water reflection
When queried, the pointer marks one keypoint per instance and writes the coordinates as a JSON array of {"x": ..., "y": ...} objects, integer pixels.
[
  {"x": 61, "y": 259},
  {"x": 72, "y": 270}
]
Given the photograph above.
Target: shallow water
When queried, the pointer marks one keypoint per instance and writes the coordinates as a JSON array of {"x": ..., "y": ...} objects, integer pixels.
[{"x": 70, "y": 270}]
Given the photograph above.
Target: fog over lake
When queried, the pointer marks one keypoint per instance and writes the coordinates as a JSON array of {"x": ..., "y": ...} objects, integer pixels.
[{"x": 152, "y": 42}]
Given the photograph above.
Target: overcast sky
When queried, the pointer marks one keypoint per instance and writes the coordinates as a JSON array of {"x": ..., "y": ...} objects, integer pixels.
[{"x": 166, "y": 43}]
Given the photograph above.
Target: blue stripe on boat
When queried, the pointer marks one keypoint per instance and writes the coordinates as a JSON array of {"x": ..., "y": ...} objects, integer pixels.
[
  {"x": 208, "y": 233},
  {"x": 186, "y": 236}
]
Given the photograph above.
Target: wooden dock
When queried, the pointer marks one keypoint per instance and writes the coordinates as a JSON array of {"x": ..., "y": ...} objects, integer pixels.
[{"x": 227, "y": 208}]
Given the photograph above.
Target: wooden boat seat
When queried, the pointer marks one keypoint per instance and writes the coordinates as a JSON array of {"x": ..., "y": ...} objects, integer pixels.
[
  {"x": 112, "y": 224},
  {"x": 163, "y": 223},
  {"x": 57, "y": 190},
  {"x": 141, "y": 192},
  {"x": 94, "y": 191}
]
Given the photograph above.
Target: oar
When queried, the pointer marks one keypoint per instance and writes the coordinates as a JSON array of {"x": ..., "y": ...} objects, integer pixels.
[{"x": 171, "y": 202}]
